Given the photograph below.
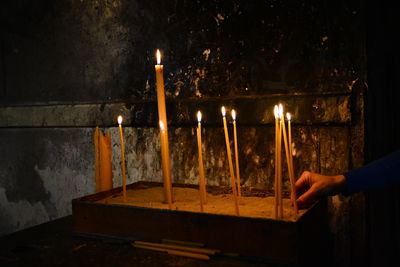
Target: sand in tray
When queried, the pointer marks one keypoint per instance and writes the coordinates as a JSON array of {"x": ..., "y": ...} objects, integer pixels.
[{"x": 187, "y": 199}]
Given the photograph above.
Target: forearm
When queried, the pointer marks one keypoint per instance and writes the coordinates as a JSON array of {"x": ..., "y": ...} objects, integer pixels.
[{"x": 379, "y": 173}]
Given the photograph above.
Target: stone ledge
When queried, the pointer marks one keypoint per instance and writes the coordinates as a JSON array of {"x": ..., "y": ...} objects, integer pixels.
[{"x": 305, "y": 109}]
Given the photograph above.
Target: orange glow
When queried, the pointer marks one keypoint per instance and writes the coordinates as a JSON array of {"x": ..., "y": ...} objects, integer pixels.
[
  {"x": 233, "y": 114},
  {"x": 158, "y": 54},
  {"x": 199, "y": 116},
  {"x": 281, "y": 111},
  {"x": 223, "y": 111},
  {"x": 276, "y": 112},
  {"x": 119, "y": 119}
]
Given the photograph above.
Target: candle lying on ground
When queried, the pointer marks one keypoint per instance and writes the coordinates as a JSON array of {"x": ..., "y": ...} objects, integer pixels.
[
  {"x": 162, "y": 115},
  {"x": 167, "y": 182},
  {"x": 122, "y": 158},
  {"x": 292, "y": 177},
  {"x": 236, "y": 153},
  {"x": 202, "y": 183},
  {"x": 228, "y": 151}
]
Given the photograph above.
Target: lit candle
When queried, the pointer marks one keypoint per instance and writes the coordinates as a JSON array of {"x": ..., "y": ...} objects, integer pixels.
[
  {"x": 280, "y": 159},
  {"x": 236, "y": 153},
  {"x": 228, "y": 151},
  {"x": 202, "y": 183},
  {"x": 292, "y": 178},
  {"x": 277, "y": 131},
  {"x": 167, "y": 184},
  {"x": 162, "y": 115},
  {"x": 121, "y": 137}
]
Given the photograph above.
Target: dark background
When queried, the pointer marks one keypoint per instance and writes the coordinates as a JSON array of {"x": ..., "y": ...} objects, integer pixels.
[
  {"x": 382, "y": 135},
  {"x": 332, "y": 63}
]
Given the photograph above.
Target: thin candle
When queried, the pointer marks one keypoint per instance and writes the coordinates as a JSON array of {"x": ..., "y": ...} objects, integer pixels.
[
  {"x": 286, "y": 146},
  {"x": 280, "y": 160},
  {"x": 228, "y": 151},
  {"x": 233, "y": 113},
  {"x": 167, "y": 188},
  {"x": 202, "y": 184},
  {"x": 121, "y": 137},
  {"x": 276, "y": 113},
  {"x": 162, "y": 114},
  {"x": 292, "y": 178}
]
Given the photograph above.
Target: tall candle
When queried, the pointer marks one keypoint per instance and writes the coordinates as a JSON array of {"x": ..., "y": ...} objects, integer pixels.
[
  {"x": 292, "y": 178},
  {"x": 202, "y": 183},
  {"x": 277, "y": 131},
  {"x": 287, "y": 151},
  {"x": 167, "y": 185},
  {"x": 162, "y": 115},
  {"x": 121, "y": 137},
  {"x": 236, "y": 153},
  {"x": 228, "y": 151},
  {"x": 280, "y": 160}
]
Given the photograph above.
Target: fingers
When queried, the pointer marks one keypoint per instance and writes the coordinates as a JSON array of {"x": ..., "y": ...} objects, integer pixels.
[
  {"x": 308, "y": 197},
  {"x": 307, "y": 188},
  {"x": 303, "y": 183}
]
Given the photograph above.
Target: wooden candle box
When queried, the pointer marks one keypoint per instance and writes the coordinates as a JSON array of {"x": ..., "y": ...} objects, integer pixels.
[{"x": 289, "y": 242}]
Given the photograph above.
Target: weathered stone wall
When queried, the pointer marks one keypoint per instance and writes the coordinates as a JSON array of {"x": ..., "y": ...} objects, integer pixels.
[{"x": 68, "y": 66}]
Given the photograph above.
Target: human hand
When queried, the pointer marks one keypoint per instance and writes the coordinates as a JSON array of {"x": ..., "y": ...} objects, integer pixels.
[{"x": 312, "y": 186}]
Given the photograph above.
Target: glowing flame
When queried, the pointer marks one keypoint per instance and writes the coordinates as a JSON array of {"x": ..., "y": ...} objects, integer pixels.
[
  {"x": 199, "y": 116},
  {"x": 223, "y": 111},
  {"x": 280, "y": 111},
  {"x": 288, "y": 116},
  {"x": 119, "y": 119},
  {"x": 158, "y": 55},
  {"x": 276, "y": 112},
  {"x": 162, "y": 126},
  {"x": 233, "y": 114}
]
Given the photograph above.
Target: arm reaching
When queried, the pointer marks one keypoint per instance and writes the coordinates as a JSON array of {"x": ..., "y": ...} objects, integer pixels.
[
  {"x": 312, "y": 186},
  {"x": 379, "y": 173}
]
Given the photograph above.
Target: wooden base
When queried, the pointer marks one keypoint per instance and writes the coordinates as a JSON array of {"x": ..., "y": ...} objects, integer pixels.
[{"x": 288, "y": 242}]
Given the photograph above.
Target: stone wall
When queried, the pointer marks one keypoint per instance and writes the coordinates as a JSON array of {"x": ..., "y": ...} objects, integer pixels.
[{"x": 68, "y": 66}]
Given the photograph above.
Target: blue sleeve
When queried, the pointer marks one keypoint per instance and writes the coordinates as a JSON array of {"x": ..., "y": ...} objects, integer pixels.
[{"x": 379, "y": 173}]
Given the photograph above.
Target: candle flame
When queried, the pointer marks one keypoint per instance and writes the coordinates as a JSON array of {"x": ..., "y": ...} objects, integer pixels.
[
  {"x": 281, "y": 111},
  {"x": 288, "y": 116},
  {"x": 158, "y": 54},
  {"x": 162, "y": 126},
  {"x": 119, "y": 119},
  {"x": 233, "y": 114},
  {"x": 223, "y": 111},
  {"x": 199, "y": 116},
  {"x": 276, "y": 112}
]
